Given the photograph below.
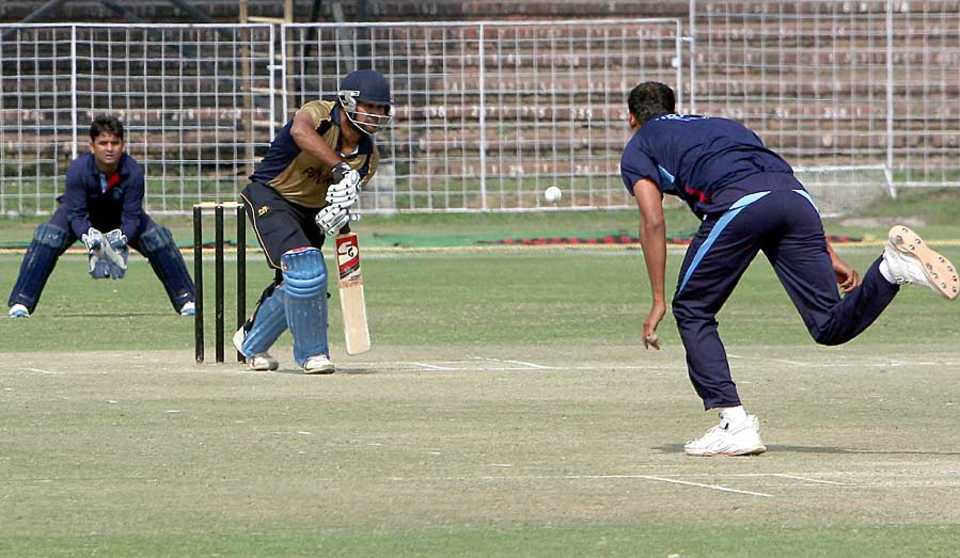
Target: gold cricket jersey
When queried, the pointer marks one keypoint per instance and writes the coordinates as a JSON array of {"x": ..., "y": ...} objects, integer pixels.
[{"x": 301, "y": 178}]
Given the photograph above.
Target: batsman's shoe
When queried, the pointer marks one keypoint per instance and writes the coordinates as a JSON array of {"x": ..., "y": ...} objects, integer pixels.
[
  {"x": 318, "y": 364},
  {"x": 259, "y": 361},
  {"x": 729, "y": 439},
  {"x": 188, "y": 309},
  {"x": 18, "y": 311},
  {"x": 910, "y": 260}
]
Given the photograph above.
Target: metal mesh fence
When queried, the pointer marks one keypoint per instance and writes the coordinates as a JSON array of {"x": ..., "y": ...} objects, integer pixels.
[
  {"x": 490, "y": 114},
  {"x": 189, "y": 96},
  {"x": 838, "y": 83}
]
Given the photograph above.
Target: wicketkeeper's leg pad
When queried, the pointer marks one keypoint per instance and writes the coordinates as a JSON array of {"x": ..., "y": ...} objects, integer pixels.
[
  {"x": 305, "y": 287},
  {"x": 157, "y": 244},
  {"x": 49, "y": 241}
]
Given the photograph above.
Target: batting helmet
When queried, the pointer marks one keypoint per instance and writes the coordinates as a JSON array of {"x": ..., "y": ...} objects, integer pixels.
[{"x": 368, "y": 87}]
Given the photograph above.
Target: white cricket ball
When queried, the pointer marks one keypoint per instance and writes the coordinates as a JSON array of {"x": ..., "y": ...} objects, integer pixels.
[{"x": 552, "y": 194}]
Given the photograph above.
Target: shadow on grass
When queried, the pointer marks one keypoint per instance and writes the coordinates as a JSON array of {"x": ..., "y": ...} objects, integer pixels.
[{"x": 678, "y": 448}]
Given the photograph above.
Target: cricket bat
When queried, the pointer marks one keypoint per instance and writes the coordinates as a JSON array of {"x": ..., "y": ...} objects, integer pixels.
[{"x": 352, "y": 304}]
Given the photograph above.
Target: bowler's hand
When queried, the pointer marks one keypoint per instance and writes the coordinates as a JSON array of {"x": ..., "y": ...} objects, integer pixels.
[
  {"x": 650, "y": 339},
  {"x": 847, "y": 276}
]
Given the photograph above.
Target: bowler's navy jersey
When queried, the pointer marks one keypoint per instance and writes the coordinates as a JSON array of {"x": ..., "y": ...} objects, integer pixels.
[
  {"x": 708, "y": 162},
  {"x": 114, "y": 201}
]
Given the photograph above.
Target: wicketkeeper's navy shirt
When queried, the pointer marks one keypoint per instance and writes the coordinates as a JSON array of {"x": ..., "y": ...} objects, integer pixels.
[
  {"x": 708, "y": 162},
  {"x": 92, "y": 196}
]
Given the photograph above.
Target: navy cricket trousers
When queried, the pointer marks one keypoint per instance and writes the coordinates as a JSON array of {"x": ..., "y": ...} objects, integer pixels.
[{"x": 785, "y": 225}]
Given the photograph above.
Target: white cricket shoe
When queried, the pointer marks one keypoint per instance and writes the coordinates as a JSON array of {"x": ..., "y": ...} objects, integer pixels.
[
  {"x": 318, "y": 364},
  {"x": 909, "y": 260},
  {"x": 729, "y": 439},
  {"x": 259, "y": 361},
  {"x": 188, "y": 309},
  {"x": 18, "y": 311}
]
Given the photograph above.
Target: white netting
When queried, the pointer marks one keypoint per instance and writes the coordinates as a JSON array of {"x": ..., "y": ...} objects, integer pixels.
[{"x": 840, "y": 190}]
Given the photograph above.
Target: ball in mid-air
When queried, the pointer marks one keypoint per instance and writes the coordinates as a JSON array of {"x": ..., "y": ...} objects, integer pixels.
[{"x": 552, "y": 194}]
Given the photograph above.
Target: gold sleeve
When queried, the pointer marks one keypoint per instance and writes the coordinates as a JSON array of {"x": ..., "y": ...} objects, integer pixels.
[
  {"x": 318, "y": 111},
  {"x": 374, "y": 161}
]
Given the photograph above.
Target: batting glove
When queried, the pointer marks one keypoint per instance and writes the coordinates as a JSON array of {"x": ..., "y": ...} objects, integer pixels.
[
  {"x": 340, "y": 171},
  {"x": 346, "y": 186},
  {"x": 332, "y": 218},
  {"x": 344, "y": 195}
]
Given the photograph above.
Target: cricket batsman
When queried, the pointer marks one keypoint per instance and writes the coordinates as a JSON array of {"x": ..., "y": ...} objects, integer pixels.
[
  {"x": 300, "y": 193},
  {"x": 749, "y": 201},
  {"x": 103, "y": 206}
]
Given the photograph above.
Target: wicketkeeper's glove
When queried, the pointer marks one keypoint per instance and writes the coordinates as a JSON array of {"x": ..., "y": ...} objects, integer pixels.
[
  {"x": 93, "y": 239},
  {"x": 115, "y": 253}
]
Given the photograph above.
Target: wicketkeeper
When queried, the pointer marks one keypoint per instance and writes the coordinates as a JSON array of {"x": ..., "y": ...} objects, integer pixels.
[{"x": 103, "y": 207}]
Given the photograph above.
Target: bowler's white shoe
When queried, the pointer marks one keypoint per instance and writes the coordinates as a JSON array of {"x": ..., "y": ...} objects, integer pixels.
[
  {"x": 188, "y": 309},
  {"x": 729, "y": 439},
  {"x": 18, "y": 311},
  {"x": 318, "y": 364},
  {"x": 909, "y": 260},
  {"x": 259, "y": 361}
]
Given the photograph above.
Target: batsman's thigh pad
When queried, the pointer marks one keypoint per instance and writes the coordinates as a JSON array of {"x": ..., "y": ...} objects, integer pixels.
[
  {"x": 268, "y": 322},
  {"x": 49, "y": 241},
  {"x": 305, "y": 287},
  {"x": 157, "y": 244}
]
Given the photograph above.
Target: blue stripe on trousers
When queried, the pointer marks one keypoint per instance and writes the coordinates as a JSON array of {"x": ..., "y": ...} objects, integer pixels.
[{"x": 721, "y": 224}]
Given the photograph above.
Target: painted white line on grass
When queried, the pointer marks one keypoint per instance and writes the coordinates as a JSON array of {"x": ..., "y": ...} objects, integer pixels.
[
  {"x": 475, "y": 366},
  {"x": 429, "y": 366},
  {"x": 678, "y": 481},
  {"x": 792, "y": 477},
  {"x": 780, "y": 360},
  {"x": 892, "y": 363},
  {"x": 806, "y": 479},
  {"x": 40, "y": 371},
  {"x": 584, "y": 477},
  {"x": 520, "y": 362}
]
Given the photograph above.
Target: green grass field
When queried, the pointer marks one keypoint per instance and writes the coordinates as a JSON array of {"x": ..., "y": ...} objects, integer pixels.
[{"x": 507, "y": 409}]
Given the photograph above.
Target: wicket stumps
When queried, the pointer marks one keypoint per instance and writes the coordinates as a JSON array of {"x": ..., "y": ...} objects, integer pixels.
[{"x": 218, "y": 212}]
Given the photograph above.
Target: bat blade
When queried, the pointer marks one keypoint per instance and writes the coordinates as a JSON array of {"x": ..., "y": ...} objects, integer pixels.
[{"x": 356, "y": 333}]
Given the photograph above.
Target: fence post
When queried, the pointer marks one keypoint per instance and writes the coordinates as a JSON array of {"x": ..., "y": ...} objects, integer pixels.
[
  {"x": 693, "y": 57},
  {"x": 890, "y": 82},
  {"x": 73, "y": 90},
  {"x": 483, "y": 128}
]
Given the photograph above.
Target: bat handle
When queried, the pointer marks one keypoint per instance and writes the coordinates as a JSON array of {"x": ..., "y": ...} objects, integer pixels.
[{"x": 345, "y": 229}]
